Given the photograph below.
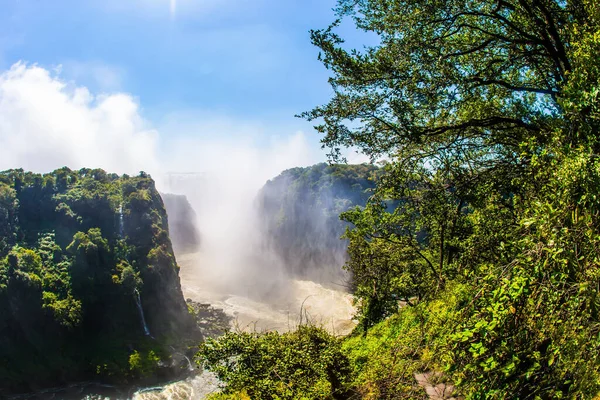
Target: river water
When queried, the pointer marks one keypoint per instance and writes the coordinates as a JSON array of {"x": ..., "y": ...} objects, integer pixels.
[{"x": 328, "y": 307}]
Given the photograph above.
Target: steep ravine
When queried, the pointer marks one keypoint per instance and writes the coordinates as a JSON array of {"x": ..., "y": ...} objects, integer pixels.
[
  {"x": 110, "y": 235},
  {"x": 327, "y": 307}
]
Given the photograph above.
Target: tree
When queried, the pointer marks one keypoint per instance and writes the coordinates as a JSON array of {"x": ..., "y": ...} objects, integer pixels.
[
  {"x": 305, "y": 364},
  {"x": 68, "y": 271},
  {"x": 488, "y": 114},
  {"x": 405, "y": 249},
  {"x": 8, "y": 220},
  {"x": 450, "y": 76},
  {"x": 461, "y": 97}
]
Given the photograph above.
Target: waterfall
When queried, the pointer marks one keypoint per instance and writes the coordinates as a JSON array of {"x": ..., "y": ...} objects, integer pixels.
[
  {"x": 121, "y": 223},
  {"x": 190, "y": 366},
  {"x": 138, "y": 301},
  {"x": 176, "y": 353}
]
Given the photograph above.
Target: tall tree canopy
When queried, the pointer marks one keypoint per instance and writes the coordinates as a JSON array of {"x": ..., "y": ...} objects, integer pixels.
[
  {"x": 477, "y": 77},
  {"x": 487, "y": 112}
]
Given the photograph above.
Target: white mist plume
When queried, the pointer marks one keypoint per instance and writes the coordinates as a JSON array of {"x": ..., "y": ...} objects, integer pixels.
[
  {"x": 223, "y": 198},
  {"x": 47, "y": 123}
]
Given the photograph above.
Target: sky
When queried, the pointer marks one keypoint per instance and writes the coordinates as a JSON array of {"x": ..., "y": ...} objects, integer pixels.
[{"x": 160, "y": 84}]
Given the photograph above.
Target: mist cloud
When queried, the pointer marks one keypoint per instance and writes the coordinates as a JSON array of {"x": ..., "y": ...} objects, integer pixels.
[{"x": 47, "y": 123}]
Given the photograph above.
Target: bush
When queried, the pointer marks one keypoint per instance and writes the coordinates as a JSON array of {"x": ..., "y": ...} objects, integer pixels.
[
  {"x": 143, "y": 364},
  {"x": 305, "y": 364}
]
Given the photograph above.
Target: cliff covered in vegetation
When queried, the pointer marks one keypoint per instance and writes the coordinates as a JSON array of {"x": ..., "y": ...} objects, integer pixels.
[
  {"x": 299, "y": 213},
  {"x": 89, "y": 285}
]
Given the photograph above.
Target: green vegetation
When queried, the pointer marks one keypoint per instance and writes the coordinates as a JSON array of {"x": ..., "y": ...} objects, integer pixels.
[
  {"x": 77, "y": 248},
  {"x": 307, "y": 364},
  {"x": 489, "y": 115}
]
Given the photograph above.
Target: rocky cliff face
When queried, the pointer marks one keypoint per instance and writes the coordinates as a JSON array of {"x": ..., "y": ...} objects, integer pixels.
[
  {"x": 300, "y": 211},
  {"x": 182, "y": 223},
  {"x": 89, "y": 285}
]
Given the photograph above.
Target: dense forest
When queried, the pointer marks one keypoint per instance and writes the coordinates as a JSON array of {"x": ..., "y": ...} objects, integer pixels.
[
  {"x": 485, "y": 278},
  {"x": 89, "y": 286},
  {"x": 299, "y": 216}
]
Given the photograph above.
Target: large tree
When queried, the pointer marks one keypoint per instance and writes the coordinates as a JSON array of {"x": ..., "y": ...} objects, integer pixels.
[
  {"x": 487, "y": 112},
  {"x": 455, "y": 76},
  {"x": 486, "y": 220}
]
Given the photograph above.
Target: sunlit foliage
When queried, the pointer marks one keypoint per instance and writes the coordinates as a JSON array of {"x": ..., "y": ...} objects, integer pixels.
[
  {"x": 76, "y": 248},
  {"x": 487, "y": 113}
]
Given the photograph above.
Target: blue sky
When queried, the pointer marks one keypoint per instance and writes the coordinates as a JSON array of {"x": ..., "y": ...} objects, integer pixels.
[
  {"x": 239, "y": 58},
  {"x": 156, "y": 84}
]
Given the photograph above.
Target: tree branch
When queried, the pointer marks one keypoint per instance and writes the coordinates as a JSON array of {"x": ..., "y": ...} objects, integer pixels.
[{"x": 485, "y": 82}]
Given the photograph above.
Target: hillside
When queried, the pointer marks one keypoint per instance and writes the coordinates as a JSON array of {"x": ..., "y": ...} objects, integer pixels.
[
  {"x": 484, "y": 280},
  {"x": 89, "y": 285}
]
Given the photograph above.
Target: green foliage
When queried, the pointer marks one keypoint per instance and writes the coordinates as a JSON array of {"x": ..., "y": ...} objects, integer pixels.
[
  {"x": 70, "y": 266},
  {"x": 305, "y": 364},
  {"x": 230, "y": 396},
  {"x": 386, "y": 357},
  {"x": 529, "y": 322},
  {"x": 127, "y": 276},
  {"x": 143, "y": 364},
  {"x": 488, "y": 114},
  {"x": 484, "y": 221},
  {"x": 8, "y": 213},
  {"x": 405, "y": 242}
]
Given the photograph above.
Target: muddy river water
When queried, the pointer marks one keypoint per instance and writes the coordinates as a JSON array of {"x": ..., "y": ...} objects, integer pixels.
[{"x": 327, "y": 307}]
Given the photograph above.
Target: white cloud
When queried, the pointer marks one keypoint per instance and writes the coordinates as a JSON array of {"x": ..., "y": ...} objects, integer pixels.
[
  {"x": 102, "y": 76},
  {"x": 46, "y": 123}
]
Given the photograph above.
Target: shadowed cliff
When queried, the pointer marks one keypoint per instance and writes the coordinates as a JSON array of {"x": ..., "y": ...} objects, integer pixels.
[
  {"x": 89, "y": 285},
  {"x": 299, "y": 216},
  {"x": 182, "y": 223}
]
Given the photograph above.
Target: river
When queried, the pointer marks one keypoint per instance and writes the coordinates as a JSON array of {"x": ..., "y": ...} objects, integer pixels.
[{"x": 325, "y": 306}]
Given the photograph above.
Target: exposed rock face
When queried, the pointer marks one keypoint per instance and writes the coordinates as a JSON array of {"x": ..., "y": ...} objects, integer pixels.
[
  {"x": 85, "y": 261},
  {"x": 300, "y": 212},
  {"x": 182, "y": 223}
]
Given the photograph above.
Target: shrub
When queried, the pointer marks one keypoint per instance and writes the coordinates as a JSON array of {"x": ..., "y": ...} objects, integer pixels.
[{"x": 304, "y": 364}]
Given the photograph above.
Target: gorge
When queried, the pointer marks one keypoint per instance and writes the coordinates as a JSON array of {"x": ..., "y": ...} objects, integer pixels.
[{"x": 91, "y": 255}]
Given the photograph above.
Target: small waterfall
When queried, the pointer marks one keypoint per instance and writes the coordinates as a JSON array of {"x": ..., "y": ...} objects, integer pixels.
[
  {"x": 177, "y": 353},
  {"x": 138, "y": 301},
  {"x": 121, "y": 222},
  {"x": 190, "y": 366}
]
